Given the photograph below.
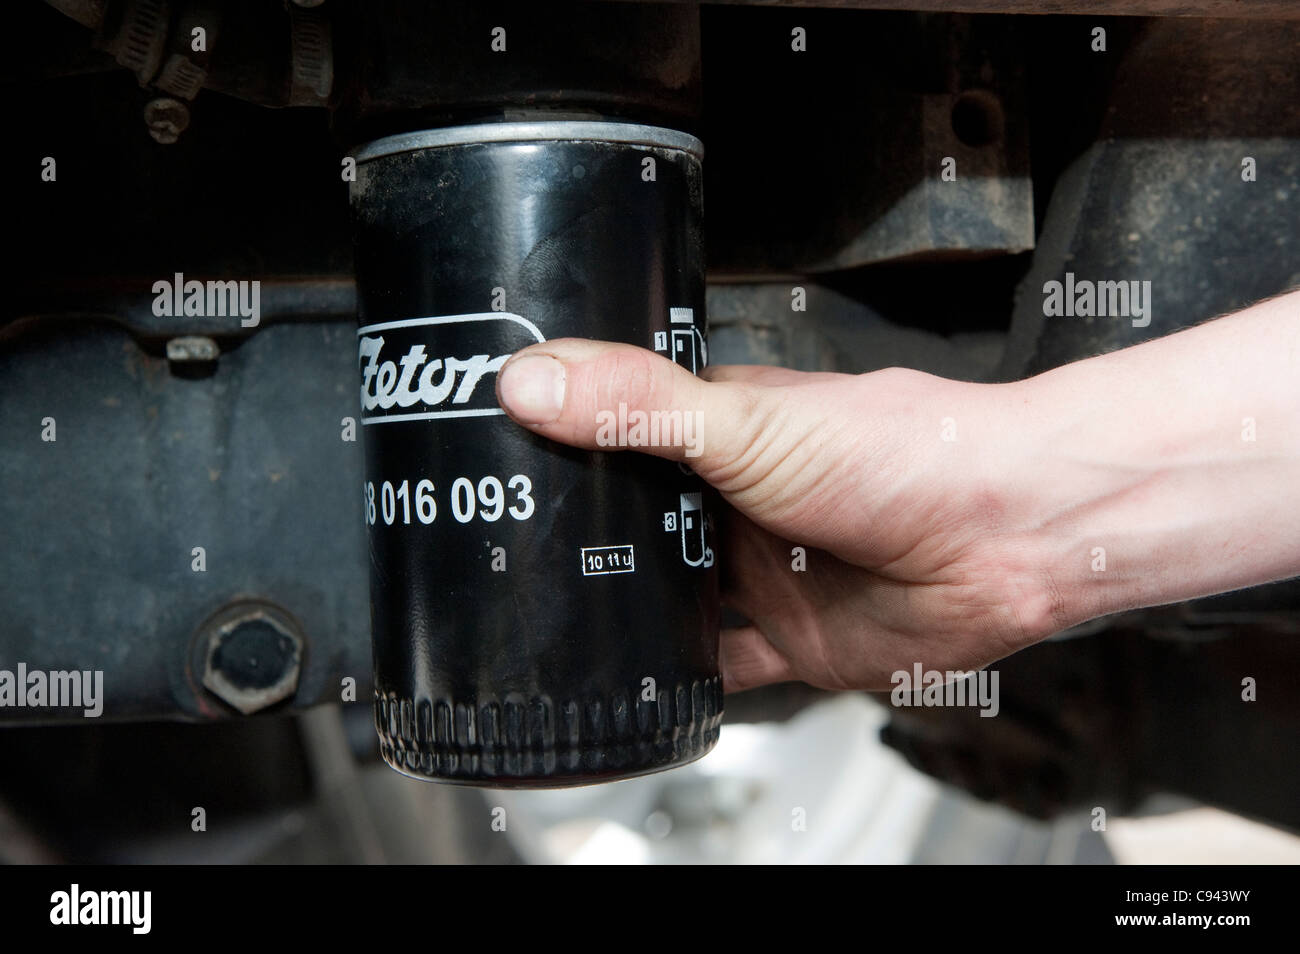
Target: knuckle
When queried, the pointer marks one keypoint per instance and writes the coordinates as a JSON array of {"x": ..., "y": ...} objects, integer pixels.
[
  {"x": 735, "y": 455},
  {"x": 629, "y": 376}
]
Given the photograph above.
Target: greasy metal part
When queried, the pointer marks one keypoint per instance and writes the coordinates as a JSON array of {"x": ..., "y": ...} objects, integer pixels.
[
  {"x": 185, "y": 68},
  {"x": 272, "y": 54},
  {"x": 181, "y": 77},
  {"x": 407, "y": 66},
  {"x": 139, "y": 38},
  {"x": 1161, "y": 196},
  {"x": 282, "y": 300},
  {"x": 192, "y": 348},
  {"x": 311, "y": 57},
  {"x": 254, "y": 655},
  {"x": 1257, "y": 9},
  {"x": 925, "y": 154},
  {"x": 166, "y": 118},
  {"x": 753, "y": 323},
  {"x": 988, "y": 207},
  {"x": 256, "y": 464}
]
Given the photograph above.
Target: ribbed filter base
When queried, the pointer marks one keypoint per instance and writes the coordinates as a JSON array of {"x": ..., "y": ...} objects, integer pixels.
[{"x": 512, "y": 741}]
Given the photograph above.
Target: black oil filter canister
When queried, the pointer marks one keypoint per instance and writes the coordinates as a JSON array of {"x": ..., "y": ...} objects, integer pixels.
[{"x": 541, "y": 615}]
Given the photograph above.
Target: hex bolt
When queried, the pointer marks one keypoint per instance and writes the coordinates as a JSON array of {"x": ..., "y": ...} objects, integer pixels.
[
  {"x": 166, "y": 118},
  {"x": 192, "y": 348},
  {"x": 254, "y": 656}
]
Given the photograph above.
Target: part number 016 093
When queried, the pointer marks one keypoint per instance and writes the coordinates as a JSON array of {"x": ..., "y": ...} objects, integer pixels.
[{"x": 489, "y": 499}]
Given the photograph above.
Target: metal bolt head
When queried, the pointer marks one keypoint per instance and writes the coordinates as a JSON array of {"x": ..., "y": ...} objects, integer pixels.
[
  {"x": 192, "y": 348},
  {"x": 254, "y": 657},
  {"x": 166, "y": 118}
]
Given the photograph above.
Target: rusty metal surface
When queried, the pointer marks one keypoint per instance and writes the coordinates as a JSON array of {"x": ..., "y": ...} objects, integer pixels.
[
  {"x": 897, "y": 136},
  {"x": 251, "y": 463},
  {"x": 1161, "y": 196}
]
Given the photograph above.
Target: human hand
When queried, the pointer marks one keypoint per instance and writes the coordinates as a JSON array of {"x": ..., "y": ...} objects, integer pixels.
[
  {"x": 951, "y": 524},
  {"x": 906, "y": 559}
]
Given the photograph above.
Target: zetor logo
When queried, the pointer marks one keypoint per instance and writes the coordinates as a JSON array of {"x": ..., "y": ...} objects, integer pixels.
[{"x": 425, "y": 368}]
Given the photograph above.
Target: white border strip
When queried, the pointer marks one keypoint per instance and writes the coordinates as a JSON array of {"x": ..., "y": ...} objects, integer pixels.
[{"x": 631, "y": 552}]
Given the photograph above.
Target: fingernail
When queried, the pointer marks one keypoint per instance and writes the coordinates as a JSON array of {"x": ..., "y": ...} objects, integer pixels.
[{"x": 531, "y": 388}]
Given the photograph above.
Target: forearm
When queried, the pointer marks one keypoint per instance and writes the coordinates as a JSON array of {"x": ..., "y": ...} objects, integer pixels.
[{"x": 1165, "y": 471}]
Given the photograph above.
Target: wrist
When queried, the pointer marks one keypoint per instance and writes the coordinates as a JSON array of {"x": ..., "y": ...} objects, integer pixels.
[{"x": 1130, "y": 489}]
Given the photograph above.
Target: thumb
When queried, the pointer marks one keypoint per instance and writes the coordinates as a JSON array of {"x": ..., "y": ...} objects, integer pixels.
[
  {"x": 781, "y": 452},
  {"x": 598, "y": 395}
]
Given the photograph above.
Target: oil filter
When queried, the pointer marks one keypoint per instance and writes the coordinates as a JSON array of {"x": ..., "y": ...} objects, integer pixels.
[{"x": 540, "y": 615}]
